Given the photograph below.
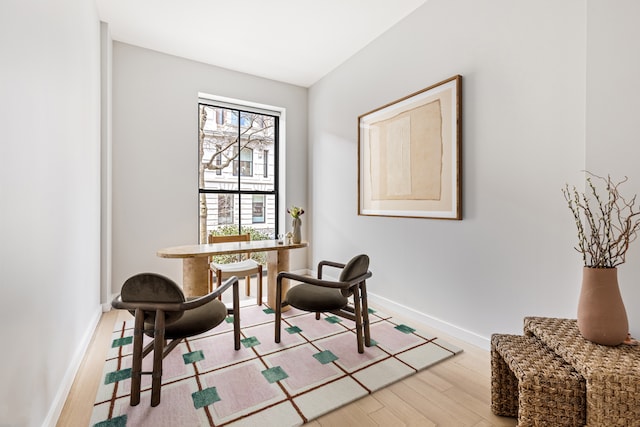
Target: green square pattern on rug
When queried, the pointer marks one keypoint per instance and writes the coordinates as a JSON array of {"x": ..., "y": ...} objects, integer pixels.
[
  {"x": 205, "y": 397},
  {"x": 268, "y": 311},
  {"x": 333, "y": 319},
  {"x": 293, "y": 330},
  {"x": 250, "y": 342},
  {"x": 274, "y": 374},
  {"x": 120, "y": 421},
  {"x": 121, "y": 341},
  {"x": 228, "y": 319},
  {"x": 116, "y": 376},
  {"x": 194, "y": 356},
  {"x": 406, "y": 329},
  {"x": 325, "y": 357}
]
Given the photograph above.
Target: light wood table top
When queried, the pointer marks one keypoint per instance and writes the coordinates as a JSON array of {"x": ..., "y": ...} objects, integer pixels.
[
  {"x": 195, "y": 262},
  {"x": 210, "y": 249}
]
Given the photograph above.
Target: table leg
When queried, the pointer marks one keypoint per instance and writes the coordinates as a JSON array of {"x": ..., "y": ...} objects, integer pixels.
[
  {"x": 277, "y": 261},
  {"x": 195, "y": 276}
]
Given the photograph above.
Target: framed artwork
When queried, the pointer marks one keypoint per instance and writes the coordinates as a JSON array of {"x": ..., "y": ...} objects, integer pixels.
[{"x": 409, "y": 159}]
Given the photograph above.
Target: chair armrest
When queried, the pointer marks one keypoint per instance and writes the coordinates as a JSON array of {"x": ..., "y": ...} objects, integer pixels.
[
  {"x": 328, "y": 264},
  {"x": 197, "y": 302},
  {"x": 174, "y": 306},
  {"x": 310, "y": 280},
  {"x": 361, "y": 278},
  {"x": 320, "y": 282}
]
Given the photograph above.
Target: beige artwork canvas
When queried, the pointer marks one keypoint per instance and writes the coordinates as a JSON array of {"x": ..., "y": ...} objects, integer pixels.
[
  {"x": 406, "y": 155},
  {"x": 409, "y": 155}
]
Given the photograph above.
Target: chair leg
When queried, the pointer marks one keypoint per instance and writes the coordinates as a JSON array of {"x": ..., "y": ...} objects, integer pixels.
[
  {"x": 169, "y": 347},
  {"x": 219, "y": 282},
  {"x": 247, "y": 285},
  {"x": 278, "y": 308},
  {"x": 259, "y": 297},
  {"x": 136, "y": 363},
  {"x": 236, "y": 316},
  {"x": 358, "y": 316},
  {"x": 365, "y": 315},
  {"x": 158, "y": 350}
]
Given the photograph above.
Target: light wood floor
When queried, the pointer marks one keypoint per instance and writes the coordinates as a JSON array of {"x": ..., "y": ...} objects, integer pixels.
[{"x": 455, "y": 392}]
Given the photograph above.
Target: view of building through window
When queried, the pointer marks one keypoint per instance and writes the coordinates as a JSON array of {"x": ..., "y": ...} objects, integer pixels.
[{"x": 237, "y": 171}]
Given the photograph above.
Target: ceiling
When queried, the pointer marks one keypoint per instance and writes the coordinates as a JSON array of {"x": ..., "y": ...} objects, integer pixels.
[{"x": 293, "y": 41}]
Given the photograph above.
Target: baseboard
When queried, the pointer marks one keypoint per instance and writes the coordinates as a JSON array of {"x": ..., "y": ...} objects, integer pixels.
[
  {"x": 67, "y": 381},
  {"x": 303, "y": 272},
  {"x": 455, "y": 331}
]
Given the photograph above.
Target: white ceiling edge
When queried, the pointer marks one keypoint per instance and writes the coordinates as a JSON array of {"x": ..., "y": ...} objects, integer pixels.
[{"x": 292, "y": 41}]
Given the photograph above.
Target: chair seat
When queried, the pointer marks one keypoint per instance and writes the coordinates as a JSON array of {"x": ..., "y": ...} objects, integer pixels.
[
  {"x": 239, "y": 267},
  {"x": 315, "y": 298},
  {"x": 321, "y": 295},
  {"x": 195, "y": 321}
]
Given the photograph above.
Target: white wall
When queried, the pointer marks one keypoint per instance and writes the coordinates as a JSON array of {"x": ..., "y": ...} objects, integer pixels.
[
  {"x": 50, "y": 195},
  {"x": 613, "y": 94},
  {"x": 524, "y": 78},
  {"x": 155, "y": 143}
]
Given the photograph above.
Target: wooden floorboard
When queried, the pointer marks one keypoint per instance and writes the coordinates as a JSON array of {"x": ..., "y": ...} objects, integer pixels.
[
  {"x": 79, "y": 404},
  {"x": 455, "y": 392}
]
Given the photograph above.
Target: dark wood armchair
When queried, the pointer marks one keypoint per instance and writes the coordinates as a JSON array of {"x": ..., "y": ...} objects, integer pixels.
[
  {"x": 163, "y": 313},
  {"x": 319, "y": 295}
]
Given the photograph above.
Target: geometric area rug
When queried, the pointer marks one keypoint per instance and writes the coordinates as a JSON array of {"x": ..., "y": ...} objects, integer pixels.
[{"x": 315, "y": 369}]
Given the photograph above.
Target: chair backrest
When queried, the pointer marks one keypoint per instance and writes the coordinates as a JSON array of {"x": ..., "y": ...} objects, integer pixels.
[
  {"x": 233, "y": 238},
  {"x": 357, "y": 266},
  {"x": 225, "y": 239},
  {"x": 153, "y": 288}
]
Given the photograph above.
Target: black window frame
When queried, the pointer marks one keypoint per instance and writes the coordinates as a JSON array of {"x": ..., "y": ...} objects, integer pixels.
[{"x": 276, "y": 172}]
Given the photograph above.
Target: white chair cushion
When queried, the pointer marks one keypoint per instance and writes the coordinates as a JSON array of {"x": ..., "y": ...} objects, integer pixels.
[{"x": 236, "y": 267}]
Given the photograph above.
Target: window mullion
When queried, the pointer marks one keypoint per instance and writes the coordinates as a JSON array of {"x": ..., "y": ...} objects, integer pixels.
[{"x": 239, "y": 163}]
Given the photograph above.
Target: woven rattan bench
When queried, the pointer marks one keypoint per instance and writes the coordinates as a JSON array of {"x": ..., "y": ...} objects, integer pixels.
[
  {"x": 529, "y": 381},
  {"x": 612, "y": 374}
]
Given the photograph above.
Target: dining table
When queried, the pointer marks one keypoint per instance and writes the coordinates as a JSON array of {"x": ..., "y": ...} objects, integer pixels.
[{"x": 195, "y": 262}]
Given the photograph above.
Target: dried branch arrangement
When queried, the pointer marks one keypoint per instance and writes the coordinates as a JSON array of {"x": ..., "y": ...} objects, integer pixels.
[{"x": 606, "y": 225}]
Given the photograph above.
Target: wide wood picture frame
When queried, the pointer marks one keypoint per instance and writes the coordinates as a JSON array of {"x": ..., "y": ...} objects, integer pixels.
[{"x": 409, "y": 155}]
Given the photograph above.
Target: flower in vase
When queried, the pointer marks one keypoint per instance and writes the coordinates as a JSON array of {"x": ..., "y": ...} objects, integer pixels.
[{"x": 295, "y": 211}]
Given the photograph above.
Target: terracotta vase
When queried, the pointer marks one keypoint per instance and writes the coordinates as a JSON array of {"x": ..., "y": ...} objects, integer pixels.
[
  {"x": 602, "y": 317},
  {"x": 297, "y": 235}
]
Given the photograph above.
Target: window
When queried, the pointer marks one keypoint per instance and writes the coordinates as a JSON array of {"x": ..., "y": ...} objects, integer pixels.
[
  {"x": 258, "y": 209},
  {"x": 265, "y": 163},
  {"x": 246, "y": 162},
  {"x": 233, "y": 196},
  {"x": 225, "y": 209},
  {"x": 244, "y": 120},
  {"x": 218, "y": 157}
]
